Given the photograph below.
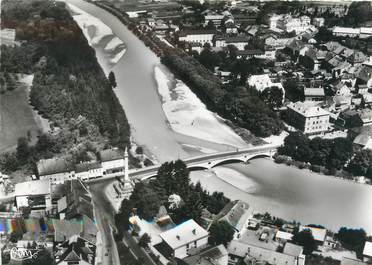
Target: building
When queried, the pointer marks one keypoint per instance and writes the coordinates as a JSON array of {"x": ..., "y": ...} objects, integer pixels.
[
  {"x": 314, "y": 94},
  {"x": 216, "y": 19},
  {"x": 236, "y": 214},
  {"x": 57, "y": 169},
  {"x": 88, "y": 170},
  {"x": 239, "y": 41},
  {"x": 179, "y": 240},
  {"x": 319, "y": 234},
  {"x": 349, "y": 261},
  {"x": 261, "y": 82},
  {"x": 283, "y": 237},
  {"x": 308, "y": 118},
  {"x": 198, "y": 36},
  {"x": 318, "y": 21},
  {"x": 76, "y": 251},
  {"x": 208, "y": 256},
  {"x": 7, "y": 37},
  {"x": 112, "y": 160},
  {"x": 367, "y": 252},
  {"x": 289, "y": 24},
  {"x": 259, "y": 255},
  {"x": 346, "y": 32},
  {"x": 34, "y": 194}
]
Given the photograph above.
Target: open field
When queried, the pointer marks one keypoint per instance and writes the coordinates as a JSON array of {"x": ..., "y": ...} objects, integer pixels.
[{"x": 16, "y": 117}]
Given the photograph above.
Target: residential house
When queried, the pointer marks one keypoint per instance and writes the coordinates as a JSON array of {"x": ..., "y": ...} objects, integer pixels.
[
  {"x": 252, "y": 254},
  {"x": 246, "y": 19},
  {"x": 112, "y": 160},
  {"x": 34, "y": 194},
  {"x": 76, "y": 251},
  {"x": 346, "y": 32},
  {"x": 275, "y": 42},
  {"x": 88, "y": 170},
  {"x": 239, "y": 41},
  {"x": 367, "y": 251},
  {"x": 230, "y": 27},
  {"x": 318, "y": 21},
  {"x": 200, "y": 36},
  {"x": 319, "y": 234},
  {"x": 308, "y": 118},
  {"x": 260, "y": 82},
  {"x": 349, "y": 261},
  {"x": 57, "y": 169},
  {"x": 250, "y": 53},
  {"x": 289, "y": 24},
  {"x": 216, "y": 19},
  {"x": 235, "y": 213},
  {"x": 178, "y": 241},
  {"x": 366, "y": 116},
  {"x": 282, "y": 237},
  {"x": 314, "y": 94},
  {"x": 217, "y": 255}
]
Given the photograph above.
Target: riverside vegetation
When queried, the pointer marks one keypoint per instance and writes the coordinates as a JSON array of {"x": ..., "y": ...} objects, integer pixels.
[{"x": 69, "y": 87}]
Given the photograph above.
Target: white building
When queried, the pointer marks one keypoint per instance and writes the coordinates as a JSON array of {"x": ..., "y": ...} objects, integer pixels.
[
  {"x": 252, "y": 253},
  {"x": 239, "y": 41},
  {"x": 215, "y": 18},
  {"x": 35, "y": 194},
  {"x": 308, "y": 118},
  {"x": 112, "y": 160},
  {"x": 344, "y": 32},
  {"x": 318, "y": 22},
  {"x": 198, "y": 36},
  {"x": 184, "y": 237},
  {"x": 88, "y": 170},
  {"x": 367, "y": 252},
  {"x": 260, "y": 82},
  {"x": 288, "y": 23}
]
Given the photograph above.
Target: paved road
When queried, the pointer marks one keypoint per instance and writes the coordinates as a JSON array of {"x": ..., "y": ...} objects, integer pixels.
[{"x": 105, "y": 219}]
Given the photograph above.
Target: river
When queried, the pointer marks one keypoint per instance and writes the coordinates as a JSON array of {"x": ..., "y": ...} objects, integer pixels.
[{"x": 283, "y": 191}]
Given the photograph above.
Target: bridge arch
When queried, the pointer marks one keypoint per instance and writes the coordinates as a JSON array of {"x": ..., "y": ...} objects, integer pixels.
[
  {"x": 259, "y": 156},
  {"x": 229, "y": 161},
  {"x": 196, "y": 168}
]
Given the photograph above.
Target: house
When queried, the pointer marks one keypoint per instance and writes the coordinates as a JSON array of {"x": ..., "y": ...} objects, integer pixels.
[
  {"x": 349, "y": 261},
  {"x": 112, "y": 160},
  {"x": 57, "y": 169},
  {"x": 366, "y": 116},
  {"x": 260, "y": 82},
  {"x": 319, "y": 234},
  {"x": 308, "y": 118},
  {"x": 314, "y": 94},
  {"x": 318, "y": 21},
  {"x": 178, "y": 241},
  {"x": 208, "y": 256},
  {"x": 367, "y": 251},
  {"x": 289, "y": 24},
  {"x": 236, "y": 214},
  {"x": 239, "y": 41},
  {"x": 253, "y": 254},
  {"x": 200, "y": 36},
  {"x": 216, "y": 19},
  {"x": 283, "y": 237},
  {"x": 88, "y": 170},
  {"x": 250, "y": 53},
  {"x": 76, "y": 251},
  {"x": 230, "y": 28},
  {"x": 275, "y": 42},
  {"x": 346, "y": 32},
  {"x": 34, "y": 194},
  {"x": 7, "y": 37}
]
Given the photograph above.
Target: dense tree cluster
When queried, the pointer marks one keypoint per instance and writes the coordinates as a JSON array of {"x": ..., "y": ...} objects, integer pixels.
[
  {"x": 352, "y": 239},
  {"x": 305, "y": 238},
  {"x": 241, "y": 105},
  {"x": 173, "y": 179},
  {"x": 333, "y": 154},
  {"x": 220, "y": 233},
  {"x": 69, "y": 87}
]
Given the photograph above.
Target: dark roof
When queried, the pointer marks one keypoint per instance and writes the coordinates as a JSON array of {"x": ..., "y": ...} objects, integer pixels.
[
  {"x": 78, "y": 249},
  {"x": 196, "y": 32},
  {"x": 250, "y": 52},
  {"x": 54, "y": 166},
  {"x": 82, "y": 167},
  {"x": 111, "y": 154}
]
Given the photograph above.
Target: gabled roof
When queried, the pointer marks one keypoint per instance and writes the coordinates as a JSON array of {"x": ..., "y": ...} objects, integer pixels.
[
  {"x": 86, "y": 166},
  {"x": 54, "y": 166},
  {"x": 183, "y": 234},
  {"x": 111, "y": 154}
]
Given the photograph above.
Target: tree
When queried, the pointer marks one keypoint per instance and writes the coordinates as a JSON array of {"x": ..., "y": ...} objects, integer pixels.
[
  {"x": 112, "y": 79},
  {"x": 144, "y": 241},
  {"x": 305, "y": 238},
  {"x": 352, "y": 239},
  {"x": 272, "y": 96},
  {"x": 23, "y": 150},
  {"x": 221, "y": 233},
  {"x": 146, "y": 200},
  {"x": 122, "y": 218}
]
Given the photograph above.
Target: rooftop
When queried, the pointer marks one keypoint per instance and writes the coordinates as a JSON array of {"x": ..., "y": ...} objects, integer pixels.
[
  {"x": 183, "y": 234},
  {"x": 54, "y": 166},
  {"x": 307, "y": 110},
  {"x": 367, "y": 251},
  {"x": 32, "y": 188},
  {"x": 314, "y": 91},
  {"x": 349, "y": 261},
  {"x": 319, "y": 234},
  {"x": 111, "y": 154}
]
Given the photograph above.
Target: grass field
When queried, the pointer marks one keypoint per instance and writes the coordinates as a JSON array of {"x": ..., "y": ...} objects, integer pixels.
[{"x": 16, "y": 117}]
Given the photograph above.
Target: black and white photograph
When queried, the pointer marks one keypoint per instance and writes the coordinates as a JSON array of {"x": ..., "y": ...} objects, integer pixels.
[{"x": 186, "y": 132}]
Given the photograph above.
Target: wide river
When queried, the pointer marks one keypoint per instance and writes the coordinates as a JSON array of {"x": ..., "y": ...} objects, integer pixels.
[{"x": 281, "y": 190}]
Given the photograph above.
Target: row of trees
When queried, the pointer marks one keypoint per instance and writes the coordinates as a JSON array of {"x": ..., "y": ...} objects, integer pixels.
[
  {"x": 333, "y": 154},
  {"x": 237, "y": 103}
]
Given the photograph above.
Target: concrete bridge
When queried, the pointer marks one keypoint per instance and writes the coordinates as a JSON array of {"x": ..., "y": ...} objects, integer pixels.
[{"x": 209, "y": 161}]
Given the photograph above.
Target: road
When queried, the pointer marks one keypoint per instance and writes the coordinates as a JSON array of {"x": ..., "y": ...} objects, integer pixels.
[{"x": 104, "y": 214}]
